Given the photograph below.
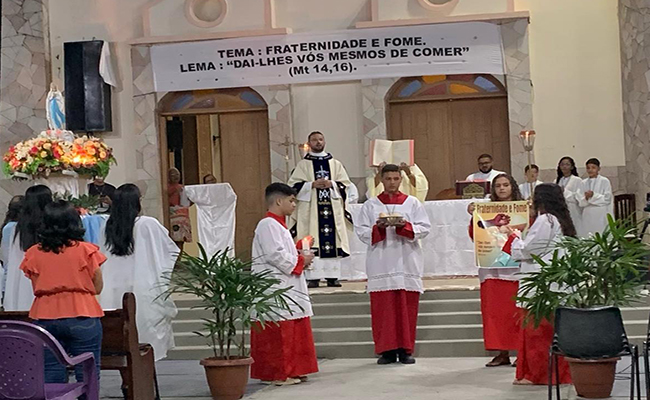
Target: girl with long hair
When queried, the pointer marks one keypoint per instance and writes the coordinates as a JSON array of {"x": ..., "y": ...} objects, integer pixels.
[
  {"x": 499, "y": 285},
  {"x": 572, "y": 187},
  {"x": 66, "y": 275},
  {"x": 31, "y": 217},
  {"x": 18, "y": 289},
  {"x": 552, "y": 222},
  {"x": 140, "y": 252}
]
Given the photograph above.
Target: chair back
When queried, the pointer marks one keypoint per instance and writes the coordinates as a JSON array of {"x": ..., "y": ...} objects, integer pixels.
[
  {"x": 624, "y": 207},
  {"x": 591, "y": 333},
  {"x": 22, "y": 347}
]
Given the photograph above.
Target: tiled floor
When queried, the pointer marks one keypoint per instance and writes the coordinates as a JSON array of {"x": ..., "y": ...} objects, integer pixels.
[{"x": 429, "y": 378}]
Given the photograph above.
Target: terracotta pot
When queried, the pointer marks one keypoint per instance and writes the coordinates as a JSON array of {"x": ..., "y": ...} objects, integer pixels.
[
  {"x": 227, "y": 379},
  {"x": 593, "y": 379}
]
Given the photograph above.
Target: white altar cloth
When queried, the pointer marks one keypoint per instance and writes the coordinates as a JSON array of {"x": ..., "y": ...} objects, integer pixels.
[{"x": 447, "y": 250}]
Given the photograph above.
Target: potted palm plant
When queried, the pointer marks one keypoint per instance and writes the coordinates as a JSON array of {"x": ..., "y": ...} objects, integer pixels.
[
  {"x": 233, "y": 294},
  {"x": 601, "y": 270}
]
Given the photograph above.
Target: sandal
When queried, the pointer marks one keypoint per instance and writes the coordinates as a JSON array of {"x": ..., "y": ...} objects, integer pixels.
[{"x": 498, "y": 361}]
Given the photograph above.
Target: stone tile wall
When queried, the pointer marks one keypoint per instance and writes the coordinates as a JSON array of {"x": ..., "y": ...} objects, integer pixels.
[
  {"x": 24, "y": 79},
  {"x": 634, "y": 23}
]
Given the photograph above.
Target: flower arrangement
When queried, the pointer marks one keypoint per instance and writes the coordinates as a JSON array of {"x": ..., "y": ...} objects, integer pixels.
[{"x": 50, "y": 153}]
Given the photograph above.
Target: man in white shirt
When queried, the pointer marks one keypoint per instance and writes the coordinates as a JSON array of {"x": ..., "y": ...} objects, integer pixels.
[{"x": 485, "y": 173}]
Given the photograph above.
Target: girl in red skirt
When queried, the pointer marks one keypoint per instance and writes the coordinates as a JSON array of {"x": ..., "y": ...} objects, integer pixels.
[
  {"x": 501, "y": 319},
  {"x": 552, "y": 222}
]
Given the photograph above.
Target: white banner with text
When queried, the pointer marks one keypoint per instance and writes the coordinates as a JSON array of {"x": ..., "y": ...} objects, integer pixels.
[{"x": 472, "y": 47}]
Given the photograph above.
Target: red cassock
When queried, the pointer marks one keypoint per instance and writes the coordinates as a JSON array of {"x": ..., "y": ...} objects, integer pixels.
[
  {"x": 394, "y": 319},
  {"x": 532, "y": 357},
  {"x": 501, "y": 317},
  {"x": 283, "y": 351}
]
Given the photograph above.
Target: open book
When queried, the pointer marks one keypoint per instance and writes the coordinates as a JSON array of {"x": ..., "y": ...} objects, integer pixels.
[{"x": 391, "y": 152}]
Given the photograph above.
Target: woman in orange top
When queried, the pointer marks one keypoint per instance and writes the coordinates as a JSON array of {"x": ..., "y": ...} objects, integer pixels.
[{"x": 66, "y": 275}]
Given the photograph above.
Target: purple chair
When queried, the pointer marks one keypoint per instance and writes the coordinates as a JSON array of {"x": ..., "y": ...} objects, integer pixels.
[{"x": 22, "y": 372}]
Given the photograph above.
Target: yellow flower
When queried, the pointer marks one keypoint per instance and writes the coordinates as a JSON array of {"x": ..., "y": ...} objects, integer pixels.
[
  {"x": 102, "y": 155},
  {"x": 43, "y": 154},
  {"x": 47, "y": 146}
]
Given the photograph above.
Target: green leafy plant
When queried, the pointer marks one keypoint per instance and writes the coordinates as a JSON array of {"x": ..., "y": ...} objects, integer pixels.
[
  {"x": 85, "y": 201},
  {"x": 601, "y": 270},
  {"x": 232, "y": 293}
]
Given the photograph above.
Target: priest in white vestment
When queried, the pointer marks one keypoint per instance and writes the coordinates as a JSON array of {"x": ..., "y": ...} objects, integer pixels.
[
  {"x": 485, "y": 170},
  {"x": 414, "y": 182},
  {"x": 138, "y": 265},
  {"x": 596, "y": 200},
  {"x": 284, "y": 351},
  {"x": 392, "y": 225},
  {"x": 322, "y": 185}
]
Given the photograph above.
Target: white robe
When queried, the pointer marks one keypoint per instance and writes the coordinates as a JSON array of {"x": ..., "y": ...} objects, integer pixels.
[
  {"x": 480, "y": 176},
  {"x": 215, "y": 206},
  {"x": 274, "y": 250},
  {"x": 572, "y": 187},
  {"x": 420, "y": 190},
  {"x": 19, "y": 294},
  {"x": 595, "y": 210},
  {"x": 540, "y": 240},
  {"x": 396, "y": 263},
  {"x": 306, "y": 215},
  {"x": 524, "y": 189},
  {"x": 154, "y": 255}
]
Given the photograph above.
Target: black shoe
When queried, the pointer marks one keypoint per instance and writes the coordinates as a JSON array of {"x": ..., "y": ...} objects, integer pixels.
[
  {"x": 387, "y": 357},
  {"x": 405, "y": 358},
  {"x": 312, "y": 283},
  {"x": 333, "y": 283}
]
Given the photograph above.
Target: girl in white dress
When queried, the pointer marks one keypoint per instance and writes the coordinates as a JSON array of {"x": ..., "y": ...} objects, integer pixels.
[{"x": 571, "y": 184}]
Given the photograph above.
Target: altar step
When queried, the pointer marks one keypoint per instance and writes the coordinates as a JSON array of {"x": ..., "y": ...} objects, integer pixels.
[{"x": 449, "y": 325}]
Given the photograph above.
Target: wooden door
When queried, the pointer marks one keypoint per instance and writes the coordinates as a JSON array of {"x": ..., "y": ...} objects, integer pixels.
[
  {"x": 246, "y": 165},
  {"x": 428, "y": 124},
  {"x": 450, "y": 134},
  {"x": 480, "y": 126}
]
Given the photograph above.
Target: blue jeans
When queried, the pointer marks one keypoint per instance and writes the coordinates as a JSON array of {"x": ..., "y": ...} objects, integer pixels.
[{"x": 77, "y": 336}]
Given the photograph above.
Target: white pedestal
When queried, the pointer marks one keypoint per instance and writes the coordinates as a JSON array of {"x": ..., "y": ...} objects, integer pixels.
[{"x": 61, "y": 184}]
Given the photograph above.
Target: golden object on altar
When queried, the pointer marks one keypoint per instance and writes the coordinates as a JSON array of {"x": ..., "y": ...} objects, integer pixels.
[
  {"x": 391, "y": 219},
  {"x": 472, "y": 189}
]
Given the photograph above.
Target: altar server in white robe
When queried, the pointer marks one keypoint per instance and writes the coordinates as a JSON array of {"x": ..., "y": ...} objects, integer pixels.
[
  {"x": 596, "y": 200},
  {"x": 283, "y": 351},
  {"x": 19, "y": 294},
  {"x": 571, "y": 184},
  {"x": 414, "y": 182},
  {"x": 394, "y": 265},
  {"x": 532, "y": 172},
  {"x": 322, "y": 185},
  {"x": 485, "y": 170},
  {"x": 139, "y": 253}
]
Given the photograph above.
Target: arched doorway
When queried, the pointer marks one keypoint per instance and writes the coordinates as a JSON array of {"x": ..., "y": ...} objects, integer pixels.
[
  {"x": 222, "y": 132},
  {"x": 453, "y": 119}
]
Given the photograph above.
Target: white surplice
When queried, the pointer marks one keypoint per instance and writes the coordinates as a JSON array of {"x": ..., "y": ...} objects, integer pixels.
[
  {"x": 481, "y": 176},
  {"x": 524, "y": 189},
  {"x": 541, "y": 239},
  {"x": 420, "y": 190},
  {"x": 595, "y": 210},
  {"x": 154, "y": 255},
  {"x": 396, "y": 262},
  {"x": 274, "y": 250},
  {"x": 19, "y": 294},
  {"x": 572, "y": 188}
]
